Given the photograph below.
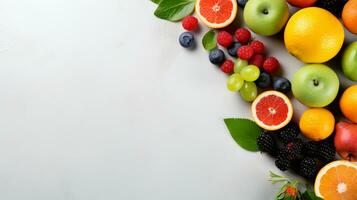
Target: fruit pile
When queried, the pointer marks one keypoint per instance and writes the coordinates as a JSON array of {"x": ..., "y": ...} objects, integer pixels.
[{"x": 313, "y": 35}]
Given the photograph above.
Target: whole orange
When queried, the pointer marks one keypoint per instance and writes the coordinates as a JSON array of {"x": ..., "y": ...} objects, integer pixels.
[
  {"x": 348, "y": 103},
  {"x": 349, "y": 16},
  {"x": 317, "y": 123}
]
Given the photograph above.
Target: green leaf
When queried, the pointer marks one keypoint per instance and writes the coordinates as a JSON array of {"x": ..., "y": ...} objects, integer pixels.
[
  {"x": 156, "y": 1},
  {"x": 174, "y": 10},
  {"x": 308, "y": 195},
  {"x": 209, "y": 40},
  {"x": 245, "y": 132}
]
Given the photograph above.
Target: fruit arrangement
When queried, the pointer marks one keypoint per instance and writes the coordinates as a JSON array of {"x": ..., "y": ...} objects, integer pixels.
[{"x": 322, "y": 145}]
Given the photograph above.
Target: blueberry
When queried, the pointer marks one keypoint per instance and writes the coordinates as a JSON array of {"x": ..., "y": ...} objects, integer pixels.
[
  {"x": 187, "y": 39},
  {"x": 282, "y": 84},
  {"x": 264, "y": 80},
  {"x": 241, "y": 3},
  {"x": 216, "y": 56},
  {"x": 233, "y": 48}
]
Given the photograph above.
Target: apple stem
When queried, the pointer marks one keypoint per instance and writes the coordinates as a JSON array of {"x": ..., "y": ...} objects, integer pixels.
[{"x": 316, "y": 82}]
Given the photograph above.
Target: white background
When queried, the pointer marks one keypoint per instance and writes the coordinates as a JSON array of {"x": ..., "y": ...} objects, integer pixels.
[{"x": 98, "y": 101}]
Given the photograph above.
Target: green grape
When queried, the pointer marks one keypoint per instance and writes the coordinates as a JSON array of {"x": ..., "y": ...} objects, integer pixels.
[
  {"x": 248, "y": 91},
  {"x": 239, "y": 65},
  {"x": 234, "y": 82},
  {"x": 250, "y": 73}
]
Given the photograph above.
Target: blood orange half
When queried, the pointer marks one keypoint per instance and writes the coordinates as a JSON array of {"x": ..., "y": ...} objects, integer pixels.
[
  {"x": 216, "y": 13},
  {"x": 272, "y": 110}
]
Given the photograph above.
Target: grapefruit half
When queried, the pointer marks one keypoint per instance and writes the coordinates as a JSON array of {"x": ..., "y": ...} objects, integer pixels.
[
  {"x": 272, "y": 110},
  {"x": 216, "y": 13}
]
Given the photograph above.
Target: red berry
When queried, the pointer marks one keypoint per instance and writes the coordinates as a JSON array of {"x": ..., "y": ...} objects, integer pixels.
[
  {"x": 271, "y": 65},
  {"x": 227, "y": 67},
  {"x": 224, "y": 38},
  {"x": 258, "y": 46},
  {"x": 245, "y": 52},
  {"x": 257, "y": 60},
  {"x": 243, "y": 35},
  {"x": 190, "y": 23}
]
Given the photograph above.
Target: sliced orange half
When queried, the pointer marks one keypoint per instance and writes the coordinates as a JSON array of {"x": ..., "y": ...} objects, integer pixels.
[
  {"x": 337, "y": 181},
  {"x": 216, "y": 13}
]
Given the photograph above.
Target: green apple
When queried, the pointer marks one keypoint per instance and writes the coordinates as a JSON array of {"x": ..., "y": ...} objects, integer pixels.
[
  {"x": 315, "y": 85},
  {"x": 266, "y": 17},
  {"x": 349, "y": 61}
]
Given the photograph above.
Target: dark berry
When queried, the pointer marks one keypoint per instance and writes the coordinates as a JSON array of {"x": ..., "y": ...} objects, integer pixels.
[
  {"x": 310, "y": 149},
  {"x": 233, "y": 48},
  {"x": 308, "y": 168},
  {"x": 334, "y": 6},
  {"x": 216, "y": 56},
  {"x": 326, "y": 151},
  {"x": 293, "y": 149},
  {"x": 282, "y": 163},
  {"x": 187, "y": 40},
  {"x": 241, "y": 3},
  {"x": 266, "y": 143},
  {"x": 289, "y": 132},
  {"x": 282, "y": 84},
  {"x": 264, "y": 80}
]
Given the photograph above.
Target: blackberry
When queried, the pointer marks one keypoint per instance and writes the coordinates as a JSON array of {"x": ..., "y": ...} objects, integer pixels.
[
  {"x": 282, "y": 163},
  {"x": 293, "y": 149},
  {"x": 334, "y": 6},
  {"x": 266, "y": 143},
  {"x": 308, "y": 168},
  {"x": 310, "y": 149},
  {"x": 326, "y": 151},
  {"x": 289, "y": 133}
]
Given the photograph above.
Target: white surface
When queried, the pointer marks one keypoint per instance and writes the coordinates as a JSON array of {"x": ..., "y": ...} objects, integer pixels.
[{"x": 98, "y": 101}]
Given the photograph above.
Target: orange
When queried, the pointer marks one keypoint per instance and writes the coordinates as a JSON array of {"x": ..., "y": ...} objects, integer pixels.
[
  {"x": 348, "y": 103},
  {"x": 314, "y": 35},
  {"x": 317, "y": 123},
  {"x": 272, "y": 110},
  {"x": 337, "y": 180},
  {"x": 216, "y": 13},
  {"x": 349, "y": 16}
]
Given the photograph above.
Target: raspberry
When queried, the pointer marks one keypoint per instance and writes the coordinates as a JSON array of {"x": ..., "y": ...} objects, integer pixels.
[
  {"x": 224, "y": 38},
  {"x": 245, "y": 52},
  {"x": 326, "y": 151},
  {"x": 266, "y": 143},
  {"x": 243, "y": 35},
  {"x": 308, "y": 168},
  {"x": 271, "y": 65},
  {"x": 190, "y": 23},
  {"x": 289, "y": 133},
  {"x": 257, "y": 60},
  {"x": 227, "y": 67},
  {"x": 258, "y": 46}
]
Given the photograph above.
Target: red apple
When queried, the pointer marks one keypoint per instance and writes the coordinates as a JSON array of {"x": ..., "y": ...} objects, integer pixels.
[
  {"x": 302, "y": 3},
  {"x": 346, "y": 140}
]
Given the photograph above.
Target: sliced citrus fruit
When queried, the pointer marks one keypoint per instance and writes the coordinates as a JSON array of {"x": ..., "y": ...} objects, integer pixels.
[
  {"x": 272, "y": 110},
  {"x": 216, "y": 13},
  {"x": 337, "y": 180}
]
